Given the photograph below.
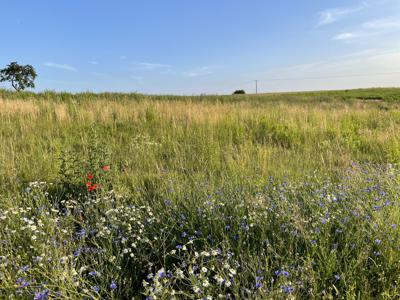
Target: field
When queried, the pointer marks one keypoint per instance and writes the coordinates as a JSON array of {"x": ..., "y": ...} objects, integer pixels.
[{"x": 271, "y": 196}]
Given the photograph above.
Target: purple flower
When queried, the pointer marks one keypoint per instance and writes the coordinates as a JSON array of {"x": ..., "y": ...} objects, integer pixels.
[
  {"x": 42, "y": 295},
  {"x": 337, "y": 277},
  {"x": 179, "y": 247},
  {"x": 287, "y": 289},
  {"x": 378, "y": 241},
  {"x": 282, "y": 273},
  {"x": 22, "y": 282},
  {"x": 259, "y": 280},
  {"x": 93, "y": 273},
  {"x": 113, "y": 285},
  {"x": 95, "y": 288},
  {"x": 81, "y": 233}
]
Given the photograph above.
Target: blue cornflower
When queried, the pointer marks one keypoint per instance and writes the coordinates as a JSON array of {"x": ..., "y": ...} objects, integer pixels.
[
  {"x": 337, "y": 277},
  {"x": 42, "y": 295},
  {"x": 282, "y": 273},
  {"x": 378, "y": 241},
  {"x": 24, "y": 268},
  {"x": 81, "y": 233},
  {"x": 259, "y": 280},
  {"x": 179, "y": 247},
  {"x": 93, "y": 273},
  {"x": 95, "y": 288},
  {"x": 167, "y": 202},
  {"x": 22, "y": 282},
  {"x": 287, "y": 289},
  {"x": 113, "y": 285}
]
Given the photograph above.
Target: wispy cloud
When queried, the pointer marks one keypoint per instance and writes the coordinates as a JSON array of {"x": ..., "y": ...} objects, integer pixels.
[
  {"x": 371, "y": 28},
  {"x": 383, "y": 24},
  {"x": 203, "y": 71},
  {"x": 333, "y": 15},
  {"x": 92, "y": 62},
  {"x": 60, "y": 66},
  {"x": 150, "y": 66},
  {"x": 346, "y": 36}
]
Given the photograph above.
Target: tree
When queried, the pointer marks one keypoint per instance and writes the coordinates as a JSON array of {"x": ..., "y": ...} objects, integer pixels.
[
  {"x": 239, "y": 92},
  {"x": 21, "y": 77}
]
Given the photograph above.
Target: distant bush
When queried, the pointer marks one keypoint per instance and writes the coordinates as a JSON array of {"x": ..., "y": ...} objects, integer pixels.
[{"x": 239, "y": 92}]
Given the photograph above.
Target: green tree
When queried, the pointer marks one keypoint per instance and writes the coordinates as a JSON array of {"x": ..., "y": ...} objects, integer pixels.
[
  {"x": 239, "y": 92},
  {"x": 20, "y": 77}
]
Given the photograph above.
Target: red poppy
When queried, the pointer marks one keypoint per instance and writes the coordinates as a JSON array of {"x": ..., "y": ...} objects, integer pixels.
[
  {"x": 88, "y": 184},
  {"x": 106, "y": 168},
  {"x": 90, "y": 176}
]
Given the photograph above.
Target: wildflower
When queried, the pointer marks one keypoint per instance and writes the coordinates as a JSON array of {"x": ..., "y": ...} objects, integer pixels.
[
  {"x": 259, "y": 282},
  {"x": 95, "y": 288},
  {"x": 93, "y": 187},
  {"x": 378, "y": 241},
  {"x": 337, "y": 277},
  {"x": 93, "y": 273},
  {"x": 179, "y": 247},
  {"x": 22, "y": 282},
  {"x": 282, "y": 273},
  {"x": 206, "y": 283},
  {"x": 287, "y": 289},
  {"x": 42, "y": 295},
  {"x": 113, "y": 285},
  {"x": 106, "y": 168},
  {"x": 90, "y": 176}
]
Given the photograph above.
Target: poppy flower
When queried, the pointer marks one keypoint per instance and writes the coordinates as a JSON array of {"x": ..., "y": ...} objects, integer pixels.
[
  {"x": 88, "y": 184},
  {"x": 90, "y": 176},
  {"x": 106, "y": 168},
  {"x": 93, "y": 187}
]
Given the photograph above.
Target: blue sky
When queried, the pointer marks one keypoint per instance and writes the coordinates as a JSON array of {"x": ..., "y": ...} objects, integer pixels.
[{"x": 208, "y": 46}]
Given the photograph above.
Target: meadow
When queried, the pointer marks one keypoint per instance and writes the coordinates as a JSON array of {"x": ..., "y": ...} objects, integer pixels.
[{"x": 270, "y": 196}]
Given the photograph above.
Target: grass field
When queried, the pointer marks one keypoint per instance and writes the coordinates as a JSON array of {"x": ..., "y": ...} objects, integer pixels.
[{"x": 266, "y": 196}]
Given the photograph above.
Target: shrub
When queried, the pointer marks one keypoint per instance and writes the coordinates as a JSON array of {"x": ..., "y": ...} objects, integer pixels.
[{"x": 239, "y": 92}]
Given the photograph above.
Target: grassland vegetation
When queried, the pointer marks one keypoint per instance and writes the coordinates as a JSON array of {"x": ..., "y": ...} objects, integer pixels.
[{"x": 246, "y": 196}]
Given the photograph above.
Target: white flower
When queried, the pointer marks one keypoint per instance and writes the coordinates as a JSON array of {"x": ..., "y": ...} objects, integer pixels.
[
  {"x": 204, "y": 270},
  {"x": 206, "y": 283},
  {"x": 196, "y": 289}
]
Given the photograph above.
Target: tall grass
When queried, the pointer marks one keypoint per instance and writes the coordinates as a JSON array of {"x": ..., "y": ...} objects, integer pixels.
[{"x": 264, "y": 196}]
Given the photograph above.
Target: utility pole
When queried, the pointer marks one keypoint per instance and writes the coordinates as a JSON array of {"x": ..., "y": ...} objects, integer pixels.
[{"x": 256, "y": 86}]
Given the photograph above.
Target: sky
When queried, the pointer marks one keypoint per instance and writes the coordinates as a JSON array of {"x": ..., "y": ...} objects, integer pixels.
[{"x": 203, "y": 47}]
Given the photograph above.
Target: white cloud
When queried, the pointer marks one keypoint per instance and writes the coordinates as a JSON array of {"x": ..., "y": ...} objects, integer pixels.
[
  {"x": 93, "y": 62},
  {"x": 331, "y": 16},
  {"x": 150, "y": 66},
  {"x": 345, "y": 36},
  {"x": 371, "y": 28},
  {"x": 60, "y": 66},
  {"x": 203, "y": 71}
]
